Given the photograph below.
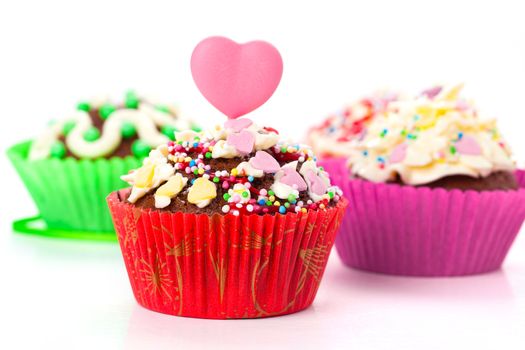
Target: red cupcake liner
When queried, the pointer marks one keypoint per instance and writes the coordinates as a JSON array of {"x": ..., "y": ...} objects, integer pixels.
[
  {"x": 224, "y": 266},
  {"x": 404, "y": 230}
]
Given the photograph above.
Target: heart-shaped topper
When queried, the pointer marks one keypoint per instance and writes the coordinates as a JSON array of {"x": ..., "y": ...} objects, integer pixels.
[{"x": 236, "y": 78}]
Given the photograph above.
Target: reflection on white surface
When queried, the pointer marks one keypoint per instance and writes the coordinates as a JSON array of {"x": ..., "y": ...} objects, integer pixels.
[{"x": 353, "y": 308}]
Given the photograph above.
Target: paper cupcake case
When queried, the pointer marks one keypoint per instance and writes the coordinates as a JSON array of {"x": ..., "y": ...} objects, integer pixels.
[
  {"x": 70, "y": 194},
  {"x": 224, "y": 266},
  {"x": 404, "y": 230}
]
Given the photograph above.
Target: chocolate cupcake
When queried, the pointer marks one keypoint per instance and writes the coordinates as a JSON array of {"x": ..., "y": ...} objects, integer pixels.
[
  {"x": 434, "y": 189},
  {"x": 232, "y": 222},
  {"x": 74, "y": 164}
]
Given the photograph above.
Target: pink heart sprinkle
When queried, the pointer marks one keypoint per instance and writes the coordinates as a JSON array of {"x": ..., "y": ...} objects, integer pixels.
[
  {"x": 317, "y": 185},
  {"x": 265, "y": 162},
  {"x": 398, "y": 154},
  {"x": 242, "y": 141},
  {"x": 468, "y": 145},
  {"x": 432, "y": 92},
  {"x": 236, "y": 78},
  {"x": 291, "y": 177},
  {"x": 237, "y": 124}
]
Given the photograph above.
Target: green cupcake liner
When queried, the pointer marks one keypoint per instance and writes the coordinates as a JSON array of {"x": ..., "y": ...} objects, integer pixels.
[{"x": 70, "y": 194}]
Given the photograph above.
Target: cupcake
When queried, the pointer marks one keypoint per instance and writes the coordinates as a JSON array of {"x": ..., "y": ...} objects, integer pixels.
[
  {"x": 335, "y": 136},
  {"x": 73, "y": 165},
  {"x": 232, "y": 222},
  {"x": 433, "y": 190}
]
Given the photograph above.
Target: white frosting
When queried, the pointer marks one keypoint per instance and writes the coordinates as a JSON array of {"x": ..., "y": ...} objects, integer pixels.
[
  {"x": 249, "y": 170},
  {"x": 146, "y": 119},
  {"x": 281, "y": 189},
  {"x": 428, "y": 138},
  {"x": 161, "y": 169}
]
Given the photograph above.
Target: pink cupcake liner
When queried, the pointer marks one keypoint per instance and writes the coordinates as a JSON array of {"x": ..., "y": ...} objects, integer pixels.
[{"x": 403, "y": 230}]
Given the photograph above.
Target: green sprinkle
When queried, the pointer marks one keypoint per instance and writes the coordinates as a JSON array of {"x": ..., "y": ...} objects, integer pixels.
[
  {"x": 196, "y": 171},
  {"x": 383, "y": 132},
  {"x": 68, "y": 126},
  {"x": 291, "y": 198},
  {"x": 331, "y": 195},
  {"x": 91, "y": 134},
  {"x": 245, "y": 194},
  {"x": 84, "y": 106},
  {"x": 196, "y": 128},
  {"x": 140, "y": 149},
  {"x": 453, "y": 150},
  {"x": 321, "y": 168},
  {"x": 169, "y": 131},
  {"x": 106, "y": 110},
  {"x": 411, "y": 136},
  {"x": 271, "y": 193},
  {"x": 403, "y": 132},
  {"x": 208, "y": 155},
  {"x": 283, "y": 149},
  {"x": 132, "y": 100},
  {"x": 216, "y": 179},
  {"x": 268, "y": 203},
  {"x": 226, "y": 196},
  {"x": 163, "y": 108},
  {"x": 286, "y": 205},
  {"x": 58, "y": 150},
  {"x": 128, "y": 130}
]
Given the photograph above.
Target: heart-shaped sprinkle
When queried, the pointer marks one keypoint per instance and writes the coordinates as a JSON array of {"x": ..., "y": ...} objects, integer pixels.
[
  {"x": 265, "y": 162},
  {"x": 316, "y": 184},
  {"x": 242, "y": 141},
  {"x": 468, "y": 145},
  {"x": 236, "y": 78},
  {"x": 291, "y": 177},
  {"x": 432, "y": 92},
  {"x": 202, "y": 190},
  {"x": 398, "y": 154},
  {"x": 238, "y": 124}
]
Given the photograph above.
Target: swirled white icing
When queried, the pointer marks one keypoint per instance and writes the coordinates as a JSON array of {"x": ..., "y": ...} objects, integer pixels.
[
  {"x": 429, "y": 137},
  {"x": 146, "y": 119}
]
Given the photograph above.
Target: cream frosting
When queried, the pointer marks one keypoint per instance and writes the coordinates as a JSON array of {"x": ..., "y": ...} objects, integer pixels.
[{"x": 423, "y": 139}]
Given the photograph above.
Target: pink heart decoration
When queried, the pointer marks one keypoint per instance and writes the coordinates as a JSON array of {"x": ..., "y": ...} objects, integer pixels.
[
  {"x": 242, "y": 141},
  {"x": 291, "y": 177},
  {"x": 236, "y": 78},
  {"x": 237, "y": 124},
  {"x": 317, "y": 185},
  {"x": 399, "y": 153},
  {"x": 265, "y": 162},
  {"x": 468, "y": 145}
]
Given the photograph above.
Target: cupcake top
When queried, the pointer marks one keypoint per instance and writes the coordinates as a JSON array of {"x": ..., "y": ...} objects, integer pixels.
[
  {"x": 102, "y": 129},
  {"x": 235, "y": 168},
  {"x": 334, "y": 137},
  {"x": 430, "y": 137}
]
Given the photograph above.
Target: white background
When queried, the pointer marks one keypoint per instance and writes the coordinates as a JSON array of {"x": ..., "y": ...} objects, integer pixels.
[{"x": 63, "y": 294}]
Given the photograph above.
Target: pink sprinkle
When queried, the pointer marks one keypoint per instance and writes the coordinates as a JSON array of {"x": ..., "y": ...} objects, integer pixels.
[
  {"x": 232, "y": 178},
  {"x": 225, "y": 184},
  {"x": 188, "y": 170},
  {"x": 263, "y": 192}
]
